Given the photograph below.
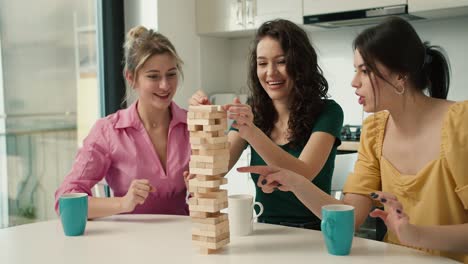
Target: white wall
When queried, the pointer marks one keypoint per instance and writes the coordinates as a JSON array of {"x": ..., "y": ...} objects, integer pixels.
[
  {"x": 336, "y": 59},
  {"x": 141, "y": 12},
  {"x": 176, "y": 20}
]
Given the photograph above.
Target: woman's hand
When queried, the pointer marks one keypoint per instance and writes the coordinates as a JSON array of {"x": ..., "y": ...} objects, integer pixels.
[
  {"x": 394, "y": 217},
  {"x": 243, "y": 116},
  {"x": 272, "y": 178},
  {"x": 136, "y": 194},
  {"x": 199, "y": 98},
  {"x": 187, "y": 178}
]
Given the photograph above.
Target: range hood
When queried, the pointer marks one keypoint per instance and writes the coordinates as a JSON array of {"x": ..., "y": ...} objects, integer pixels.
[{"x": 334, "y": 13}]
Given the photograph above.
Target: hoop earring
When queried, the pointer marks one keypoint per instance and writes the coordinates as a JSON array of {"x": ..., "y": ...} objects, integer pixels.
[{"x": 399, "y": 92}]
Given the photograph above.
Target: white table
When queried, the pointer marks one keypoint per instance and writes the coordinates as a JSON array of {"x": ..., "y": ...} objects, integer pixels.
[{"x": 167, "y": 239}]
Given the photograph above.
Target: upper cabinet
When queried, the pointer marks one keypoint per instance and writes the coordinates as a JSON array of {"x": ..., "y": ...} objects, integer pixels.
[
  {"x": 271, "y": 9},
  {"x": 437, "y": 8},
  {"x": 235, "y": 17}
]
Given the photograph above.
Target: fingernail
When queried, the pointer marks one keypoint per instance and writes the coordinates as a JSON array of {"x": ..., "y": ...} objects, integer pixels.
[
  {"x": 383, "y": 200},
  {"x": 398, "y": 211},
  {"x": 264, "y": 182}
]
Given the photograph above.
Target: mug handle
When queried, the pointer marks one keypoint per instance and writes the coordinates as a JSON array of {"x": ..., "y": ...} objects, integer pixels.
[
  {"x": 327, "y": 225},
  {"x": 260, "y": 205}
]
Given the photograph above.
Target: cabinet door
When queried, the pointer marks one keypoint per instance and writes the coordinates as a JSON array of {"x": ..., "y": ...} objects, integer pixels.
[
  {"x": 217, "y": 16},
  {"x": 264, "y": 10},
  {"x": 435, "y": 8}
]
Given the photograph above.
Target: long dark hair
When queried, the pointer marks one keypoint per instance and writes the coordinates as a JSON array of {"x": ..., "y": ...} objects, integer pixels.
[
  {"x": 310, "y": 87},
  {"x": 395, "y": 44}
]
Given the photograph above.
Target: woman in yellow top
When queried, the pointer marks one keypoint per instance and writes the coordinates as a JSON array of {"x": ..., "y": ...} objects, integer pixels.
[{"x": 413, "y": 157}]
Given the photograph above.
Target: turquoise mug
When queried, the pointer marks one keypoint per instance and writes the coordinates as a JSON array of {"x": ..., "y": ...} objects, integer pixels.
[
  {"x": 338, "y": 228},
  {"x": 73, "y": 209}
]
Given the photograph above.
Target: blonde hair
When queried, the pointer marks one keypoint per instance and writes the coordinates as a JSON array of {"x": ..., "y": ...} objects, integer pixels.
[{"x": 142, "y": 43}]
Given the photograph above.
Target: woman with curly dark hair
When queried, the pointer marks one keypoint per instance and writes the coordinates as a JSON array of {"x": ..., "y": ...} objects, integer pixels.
[{"x": 294, "y": 126}]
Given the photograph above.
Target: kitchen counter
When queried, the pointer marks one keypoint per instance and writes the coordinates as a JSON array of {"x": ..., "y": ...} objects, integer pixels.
[{"x": 348, "y": 146}]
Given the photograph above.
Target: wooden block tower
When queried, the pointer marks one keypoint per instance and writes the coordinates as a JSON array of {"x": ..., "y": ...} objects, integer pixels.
[{"x": 209, "y": 161}]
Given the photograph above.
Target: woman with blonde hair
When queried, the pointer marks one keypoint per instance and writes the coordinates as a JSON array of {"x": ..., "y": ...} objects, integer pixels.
[{"x": 143, "y": 150}]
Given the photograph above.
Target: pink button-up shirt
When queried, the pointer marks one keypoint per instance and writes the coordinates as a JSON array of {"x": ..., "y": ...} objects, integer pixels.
[{"x": 119, "y": 149}]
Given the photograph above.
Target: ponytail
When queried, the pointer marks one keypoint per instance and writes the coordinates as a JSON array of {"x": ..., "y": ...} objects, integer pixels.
[{"x": 436, "y": 70}]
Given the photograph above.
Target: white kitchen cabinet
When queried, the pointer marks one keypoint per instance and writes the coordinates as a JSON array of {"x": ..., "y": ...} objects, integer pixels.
[
  {"x": 272, "y": 9},
  {"x": 223, "y": 17},
  {"x": 437, "y": 9},
  {"x": 217, "y": 16}
]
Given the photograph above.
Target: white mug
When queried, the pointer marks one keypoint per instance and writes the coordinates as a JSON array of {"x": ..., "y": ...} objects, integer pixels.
[{"x": 241, "y": 216}]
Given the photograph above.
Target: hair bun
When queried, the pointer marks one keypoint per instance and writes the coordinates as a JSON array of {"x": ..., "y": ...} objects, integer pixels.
[{"x": 136, "y": 32}]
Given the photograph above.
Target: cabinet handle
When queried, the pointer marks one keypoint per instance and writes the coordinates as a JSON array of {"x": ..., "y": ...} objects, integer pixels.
[{"x": 240, "y": 12}]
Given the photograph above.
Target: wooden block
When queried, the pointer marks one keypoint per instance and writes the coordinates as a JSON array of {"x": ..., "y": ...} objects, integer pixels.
[
  {"x": 207, "y": 184},
  {"x": 197, "y": 164},
  {"x": 221, "y": 217},
  {"x": 197, "y": 140},
  {"x": 201, "y": 122},
  {"x": 215, "y": 171},
  {"x": 221, "y": 127},
  {"x": 208, "y": 208},
  {"x": 209, "y": 233},
  {"x": 220, "y": 121},
  {"x": 209, "y": 245},
  {"x": 205, "y": 108},
  {"x": 219, "y": 194},
  {"x": 215, "y": 239},
  {"x": 206, "y": 201},
  {"x": 211, "y": 146},
  {"x": 195, "y": 127},
  {"x": 195, "y": 189},
  {"x": 191, "y": 115},
  {"x": 214, "y": 152},
  {"x": 221, "y": 226},
  {"x": 205, "y": 134},
  {"x": 208, "y": 158},
  {"x": 213, "y": 115},
  {"x": 215, "y": 165},
  {"x": 199, "y": 214},
  {"x": 202, "y": 177},
  {"x": 208, "y": 140}
]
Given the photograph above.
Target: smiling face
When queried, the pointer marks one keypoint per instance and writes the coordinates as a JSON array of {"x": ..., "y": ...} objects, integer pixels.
[
  {"x": 271, "y": 69},
  {"x": 374, "y": 93},
  {"x": 156, "y": 81}
]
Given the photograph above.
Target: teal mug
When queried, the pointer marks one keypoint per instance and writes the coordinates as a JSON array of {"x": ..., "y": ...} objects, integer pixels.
[
  {"x": 338, "y": 228},
  {"x": 73, "y": 209}
]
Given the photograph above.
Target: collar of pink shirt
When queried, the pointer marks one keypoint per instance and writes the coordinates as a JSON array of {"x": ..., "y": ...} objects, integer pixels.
[{"x": 129, "y": 117}]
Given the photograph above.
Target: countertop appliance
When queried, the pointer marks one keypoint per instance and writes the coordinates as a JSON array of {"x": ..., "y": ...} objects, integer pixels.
[{"x": 351, "y": 133}]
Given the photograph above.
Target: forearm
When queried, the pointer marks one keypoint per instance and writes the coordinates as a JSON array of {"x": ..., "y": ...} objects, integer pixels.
[
  {"x": 313, "y": 197},
  {"x": 446, "y": 238},
  {"x": 273, "y": 155},
  {"x": 102, "y": 207}
]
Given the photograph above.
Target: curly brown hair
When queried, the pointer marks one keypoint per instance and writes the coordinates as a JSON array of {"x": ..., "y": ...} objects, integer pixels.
[{"x": 309, "y": 85}]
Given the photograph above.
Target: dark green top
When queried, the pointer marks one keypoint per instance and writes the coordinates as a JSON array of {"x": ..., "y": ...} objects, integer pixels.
[{"x": 284, "y": 206}]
